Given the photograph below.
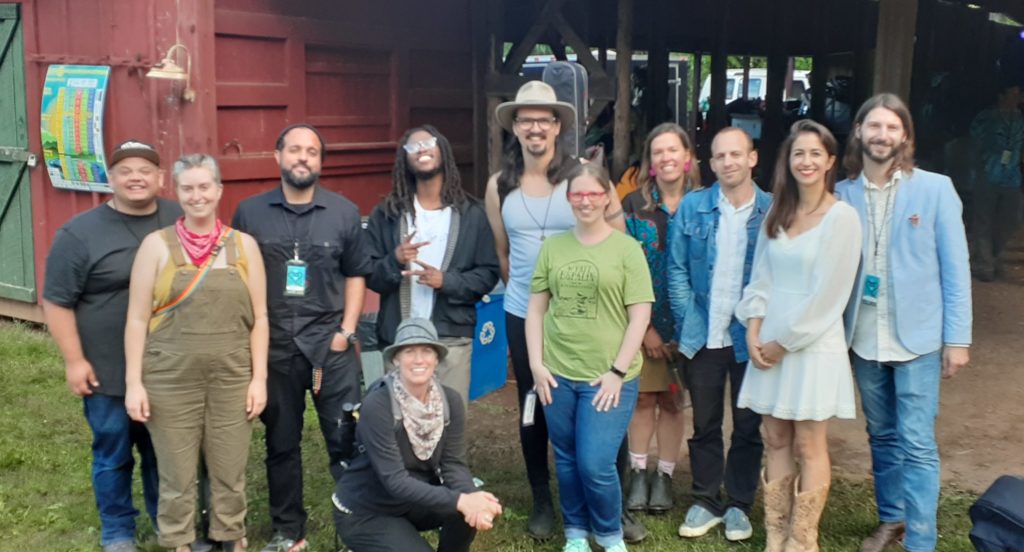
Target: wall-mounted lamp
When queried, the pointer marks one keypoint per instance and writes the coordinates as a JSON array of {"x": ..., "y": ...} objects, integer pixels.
[{"x": 169, "y": 69}]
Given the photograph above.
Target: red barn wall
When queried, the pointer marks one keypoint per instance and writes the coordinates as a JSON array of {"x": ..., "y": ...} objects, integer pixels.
[{"x": 361, "y": 71}]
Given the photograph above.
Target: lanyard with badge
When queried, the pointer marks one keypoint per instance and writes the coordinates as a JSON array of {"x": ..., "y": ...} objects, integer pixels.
[
  {"x": 296, "y": 282},
  {"x": 873, "y": 282}
]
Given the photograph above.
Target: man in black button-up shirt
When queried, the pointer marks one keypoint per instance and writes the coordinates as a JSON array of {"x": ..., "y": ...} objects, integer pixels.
[{"x": 313, "y": 249}]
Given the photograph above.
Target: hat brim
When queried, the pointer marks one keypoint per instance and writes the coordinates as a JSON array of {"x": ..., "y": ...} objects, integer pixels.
[
  {"x": 391, "y": 350},
  {"x": 120, "y": 155},
  {"x": 506, "y": 113}
]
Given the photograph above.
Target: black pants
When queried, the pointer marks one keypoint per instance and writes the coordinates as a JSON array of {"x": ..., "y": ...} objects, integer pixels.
[
  {"x": 705, "y": 376},
  {"x": 533, "y": 439},
  {"x": 287, "y": 383},
  {"x": 368, "y": 533}
]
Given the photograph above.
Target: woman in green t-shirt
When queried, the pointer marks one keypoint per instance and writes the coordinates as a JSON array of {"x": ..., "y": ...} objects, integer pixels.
[{"x": 590, "y": 305}]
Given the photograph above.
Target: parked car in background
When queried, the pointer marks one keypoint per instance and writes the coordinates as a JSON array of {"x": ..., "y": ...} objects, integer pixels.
[{"x": 757, "y": 86}]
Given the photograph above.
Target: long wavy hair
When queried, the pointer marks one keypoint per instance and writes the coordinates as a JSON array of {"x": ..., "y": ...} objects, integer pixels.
[
  {"x": 784, "y": 185},
  {"x": 646, "y": 183},
  {"x": 853, "y": 160},
  {"x": 403, "y": 180},
  {"x": 512, "y": 167}
]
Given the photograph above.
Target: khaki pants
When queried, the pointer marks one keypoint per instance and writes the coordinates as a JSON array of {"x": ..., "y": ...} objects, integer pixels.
[
  {"x": 189, "y": 414},
  {"x": 196, "y": 371},
  {"x": 454, "y": 370}
]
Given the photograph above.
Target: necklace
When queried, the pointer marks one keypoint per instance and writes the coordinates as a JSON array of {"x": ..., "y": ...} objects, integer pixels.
[
  {"x": 543, "y": 225},
  {"x": 121, "y": 216}
]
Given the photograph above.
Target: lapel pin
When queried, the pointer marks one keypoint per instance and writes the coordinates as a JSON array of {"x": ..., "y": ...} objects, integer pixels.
[{"x": 915, "y": 220}]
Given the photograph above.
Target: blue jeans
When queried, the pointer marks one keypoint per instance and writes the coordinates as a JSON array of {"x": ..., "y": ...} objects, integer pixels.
[
  {"x": 586, "y": 443},
  {"x": 113, "y": 435},
  {"x": 901, "y": 401}
]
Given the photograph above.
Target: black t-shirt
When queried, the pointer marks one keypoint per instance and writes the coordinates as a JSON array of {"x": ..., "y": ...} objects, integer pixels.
[
  {"x": 88, "y": 270},
  {"x": 329, "y": 237}
]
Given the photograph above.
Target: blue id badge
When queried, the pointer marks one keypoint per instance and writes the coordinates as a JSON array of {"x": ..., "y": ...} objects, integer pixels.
[
  {"x": 871, "y": 285},
  {"x": 295, "y": 278}
]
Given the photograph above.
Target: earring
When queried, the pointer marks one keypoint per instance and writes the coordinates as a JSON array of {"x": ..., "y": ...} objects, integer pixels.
[{"x": 652, "y": 173}]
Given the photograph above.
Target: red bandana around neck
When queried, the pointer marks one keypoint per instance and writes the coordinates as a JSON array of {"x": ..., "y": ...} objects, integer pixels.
[{"x": 198, "y": 246}]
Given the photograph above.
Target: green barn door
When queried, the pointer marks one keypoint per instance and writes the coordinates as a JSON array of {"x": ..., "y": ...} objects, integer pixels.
[{"x": 17, "y": 264}]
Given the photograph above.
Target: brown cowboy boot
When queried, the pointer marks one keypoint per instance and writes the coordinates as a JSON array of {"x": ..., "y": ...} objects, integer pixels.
[
  {"x": 807, "y": 508},
  {"x": 778, "y": 502}
]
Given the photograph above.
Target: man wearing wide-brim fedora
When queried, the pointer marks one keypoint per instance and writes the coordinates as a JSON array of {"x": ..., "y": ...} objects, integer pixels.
[{"x": 526, "y": 202}]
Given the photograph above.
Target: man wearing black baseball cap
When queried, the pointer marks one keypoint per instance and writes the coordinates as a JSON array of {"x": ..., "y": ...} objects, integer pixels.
[{"x": 85, "y": 300}]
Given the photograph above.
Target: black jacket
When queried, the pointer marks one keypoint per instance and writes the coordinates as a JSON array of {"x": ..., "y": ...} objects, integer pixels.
[
  {"x": 388, "y": 479},
  {"x": 470, "y": 271}
]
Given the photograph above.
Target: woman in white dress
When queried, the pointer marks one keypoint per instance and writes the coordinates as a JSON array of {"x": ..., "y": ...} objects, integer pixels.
[{"x": 799, "y": 373}]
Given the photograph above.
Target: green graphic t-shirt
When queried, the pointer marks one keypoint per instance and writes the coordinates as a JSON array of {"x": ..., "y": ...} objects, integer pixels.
[{"x": 590, "y": 286}]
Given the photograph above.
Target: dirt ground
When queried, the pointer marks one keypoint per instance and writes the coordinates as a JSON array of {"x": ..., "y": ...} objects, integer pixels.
[{"x": 981, "y": 418}]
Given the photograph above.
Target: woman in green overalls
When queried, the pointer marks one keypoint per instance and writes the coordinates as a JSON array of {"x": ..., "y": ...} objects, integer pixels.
[{"x": 196, "y": 352}]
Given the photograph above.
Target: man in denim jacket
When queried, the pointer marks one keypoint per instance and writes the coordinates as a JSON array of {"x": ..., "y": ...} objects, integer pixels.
[{"x": 711, "y": 249}]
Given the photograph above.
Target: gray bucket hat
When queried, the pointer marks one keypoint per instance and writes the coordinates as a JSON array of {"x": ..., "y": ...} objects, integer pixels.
[
  {"x": 536, "y": 94},
  {"x": 414, "y": 331}
]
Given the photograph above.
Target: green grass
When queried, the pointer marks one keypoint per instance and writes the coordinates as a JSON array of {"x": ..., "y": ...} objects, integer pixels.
[{"x": 46, "y": 500}]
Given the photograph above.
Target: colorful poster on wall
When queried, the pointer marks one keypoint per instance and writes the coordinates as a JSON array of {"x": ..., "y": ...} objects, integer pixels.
[{"x": 72, "y": 126}]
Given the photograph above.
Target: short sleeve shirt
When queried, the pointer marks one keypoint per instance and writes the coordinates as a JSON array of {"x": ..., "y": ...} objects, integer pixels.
[
  {"x": 88, "y": 270},
  {"x": 327, "y": 236},
  {"x": 590, "y": 286}
]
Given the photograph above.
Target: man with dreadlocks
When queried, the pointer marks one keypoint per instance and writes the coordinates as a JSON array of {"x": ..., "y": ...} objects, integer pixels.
[{"x": 432, "y": 251}]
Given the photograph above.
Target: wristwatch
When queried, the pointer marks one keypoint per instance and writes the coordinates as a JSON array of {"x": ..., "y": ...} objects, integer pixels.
[
  {"x": 351, "y": 337},
  {"x": 617, "y": 372}
]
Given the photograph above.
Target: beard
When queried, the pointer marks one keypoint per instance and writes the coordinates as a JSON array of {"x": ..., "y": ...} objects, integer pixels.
[
  {"x": 894, "y": 150},
  {"x": 299, "y": 182},
  {"x": 427, "y": 174},
  {"x": 535, "y": 149}
]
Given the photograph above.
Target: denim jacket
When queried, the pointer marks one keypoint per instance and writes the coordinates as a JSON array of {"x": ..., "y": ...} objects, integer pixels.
[{"x": 691, "y": 261}]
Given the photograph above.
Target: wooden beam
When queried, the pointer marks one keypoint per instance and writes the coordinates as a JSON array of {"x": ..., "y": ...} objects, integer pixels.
[
  {"x": 522, "y": 49},
  {"x": 481, "y": 63},
  {"x": 863, "y": 55},
  {"x": 716, "y": 111},
  {"x": 894, "y": 46},
  {"x": 583, "y": 55},
  {"x": 717, "y": 118},
  {"x": 623, "y": 67},
  {"x": 698, "y": 81},
  {"x": 495, "y": 45},
  {"x": 819, "y": 70},
  {"x": 745, "y": 92},
  {"x": 656, "y": 96}
]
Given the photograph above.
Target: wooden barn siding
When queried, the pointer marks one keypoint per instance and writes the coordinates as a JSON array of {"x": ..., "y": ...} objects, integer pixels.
[{"x": 363, "y": 71}]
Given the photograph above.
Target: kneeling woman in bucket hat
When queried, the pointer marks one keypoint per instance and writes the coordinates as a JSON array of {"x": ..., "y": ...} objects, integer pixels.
[{"x": 411, "y": 474}]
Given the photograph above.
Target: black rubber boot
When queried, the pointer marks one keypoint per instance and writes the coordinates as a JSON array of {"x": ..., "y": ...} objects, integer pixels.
[
  {"x": 541, "y": 525},
  {"x": 632, "y": 530},
  {"x": 639, "y": 491},
  {"x": 661, "y": 494}
]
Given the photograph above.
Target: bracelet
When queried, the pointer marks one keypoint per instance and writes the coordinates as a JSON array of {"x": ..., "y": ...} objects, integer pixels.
[
  {"x": 351, "y": 337},
  {"x": 617, "y": 372}
]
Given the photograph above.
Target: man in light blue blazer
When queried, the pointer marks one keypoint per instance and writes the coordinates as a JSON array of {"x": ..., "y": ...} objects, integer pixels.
[{"x": 909, "y": 318}]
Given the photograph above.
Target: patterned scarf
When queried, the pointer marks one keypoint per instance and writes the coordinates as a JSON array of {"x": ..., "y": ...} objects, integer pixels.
[
  {"x": 198, "y": 246},
  {"x": 424, "y": 422}
]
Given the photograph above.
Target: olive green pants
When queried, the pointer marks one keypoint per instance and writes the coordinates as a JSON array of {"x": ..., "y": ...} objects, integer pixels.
[{"x": 197, "y": 370}]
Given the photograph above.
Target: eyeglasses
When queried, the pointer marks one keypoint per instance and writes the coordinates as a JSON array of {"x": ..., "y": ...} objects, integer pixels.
[
  {"x": 526, "y": 123},
  {"x": 578, "y": 197},
  {"x": 413, "y": 147}
]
